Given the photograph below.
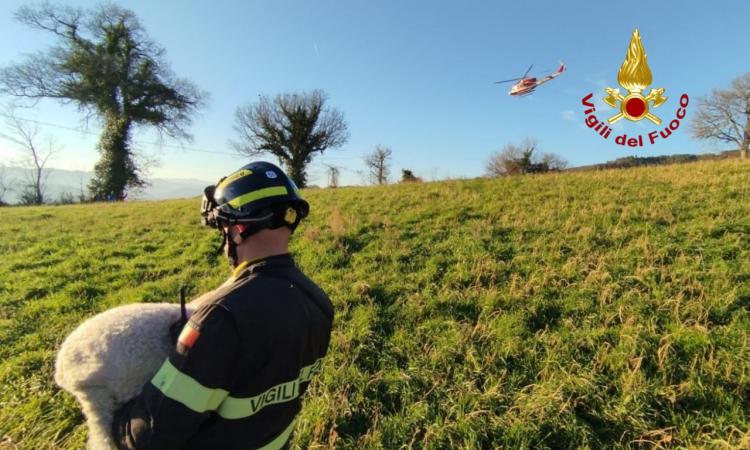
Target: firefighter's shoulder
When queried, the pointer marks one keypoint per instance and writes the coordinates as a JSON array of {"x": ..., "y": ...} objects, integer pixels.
[
  {"x": 212, "y": 321},
  {"x": 256, "y": 292}
]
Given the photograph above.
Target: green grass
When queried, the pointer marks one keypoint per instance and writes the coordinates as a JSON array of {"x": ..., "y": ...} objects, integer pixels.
[{"x": 579, "y": 310}]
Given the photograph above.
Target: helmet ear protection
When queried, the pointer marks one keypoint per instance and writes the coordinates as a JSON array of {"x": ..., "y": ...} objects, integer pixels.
[
  {"x": 292, "y": 217},
  {"x": 208, "y": 207}
]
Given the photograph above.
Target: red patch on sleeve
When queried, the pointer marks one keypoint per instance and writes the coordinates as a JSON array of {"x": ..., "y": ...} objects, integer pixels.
[{"x": 188, "y": 336}]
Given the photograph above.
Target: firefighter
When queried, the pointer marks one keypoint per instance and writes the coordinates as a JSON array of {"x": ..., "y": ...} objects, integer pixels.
[{"x": 246, "y": 356}]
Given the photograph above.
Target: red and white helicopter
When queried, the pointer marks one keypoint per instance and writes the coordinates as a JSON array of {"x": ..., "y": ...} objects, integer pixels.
[{"x": 526, "y": 85}]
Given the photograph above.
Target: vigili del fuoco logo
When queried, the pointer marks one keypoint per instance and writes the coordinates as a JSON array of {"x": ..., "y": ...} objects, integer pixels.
[{"x": 634, "y": 76}]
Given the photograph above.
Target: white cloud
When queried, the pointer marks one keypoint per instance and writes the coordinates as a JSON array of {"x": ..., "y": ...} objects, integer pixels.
[{"x": 568, "y": 114}]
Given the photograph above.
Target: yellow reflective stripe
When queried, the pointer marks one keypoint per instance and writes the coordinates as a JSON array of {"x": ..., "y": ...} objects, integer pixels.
[
  {"x": 239, "y": 174},
  {"x": 280, "y": 440},
  {"x": 239, "y": 408},
  {"x": 240, "y": 268},
  {"x": 243, "y": 265},
  {"x": 307, "y": 372},
  {"x": 244, "y": 199},
  {"x": 186, "y": 390}
]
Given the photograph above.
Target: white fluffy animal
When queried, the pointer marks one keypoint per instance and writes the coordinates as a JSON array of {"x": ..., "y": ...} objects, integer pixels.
[{"x": 109, "y": 357}]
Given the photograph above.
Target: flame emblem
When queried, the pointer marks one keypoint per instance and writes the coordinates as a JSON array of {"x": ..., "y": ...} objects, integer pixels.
[{"x": 635, "y": 76}]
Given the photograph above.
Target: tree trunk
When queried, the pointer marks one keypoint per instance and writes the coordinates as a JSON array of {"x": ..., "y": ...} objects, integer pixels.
[
  {"x": 296, "y": 171},
  {"x": 745, "y": 139},
  {"x": 115, "y": 171},
  {"x": 38, "y": 185}
]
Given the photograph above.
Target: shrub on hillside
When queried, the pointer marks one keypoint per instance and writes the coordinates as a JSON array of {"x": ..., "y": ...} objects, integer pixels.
[
  {"x": 65, "y": 198},
  {"x": 520, "y": 159},
  {"x": 407, "y": 176}
]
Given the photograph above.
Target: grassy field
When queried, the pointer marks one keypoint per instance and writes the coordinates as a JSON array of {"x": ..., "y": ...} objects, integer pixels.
[{"x": 579, "y": 310}]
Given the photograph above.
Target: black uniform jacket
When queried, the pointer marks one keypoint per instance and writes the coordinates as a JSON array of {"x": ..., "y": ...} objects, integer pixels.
[{"x": 240, "y": 366}]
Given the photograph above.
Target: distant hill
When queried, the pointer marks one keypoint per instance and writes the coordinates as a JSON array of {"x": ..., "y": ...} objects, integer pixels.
[
  {"x": 635, "y": 161},
  {"x": 73, "y": 182}
]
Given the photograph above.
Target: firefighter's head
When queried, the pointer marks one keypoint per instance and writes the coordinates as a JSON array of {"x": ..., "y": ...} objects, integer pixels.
[{"x": 259, "y": 196}]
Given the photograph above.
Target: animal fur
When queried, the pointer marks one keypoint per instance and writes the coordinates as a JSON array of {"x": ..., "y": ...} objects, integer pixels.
[{"x": 108, "y": 359}]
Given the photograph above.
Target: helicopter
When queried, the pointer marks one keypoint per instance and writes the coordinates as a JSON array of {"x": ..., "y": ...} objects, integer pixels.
[{"x": 527, "y": 85}]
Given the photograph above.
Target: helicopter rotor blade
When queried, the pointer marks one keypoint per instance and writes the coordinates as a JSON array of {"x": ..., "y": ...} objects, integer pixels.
[
  {"x": 508, "y": 81},
  {"x": 527, "y": 71}
]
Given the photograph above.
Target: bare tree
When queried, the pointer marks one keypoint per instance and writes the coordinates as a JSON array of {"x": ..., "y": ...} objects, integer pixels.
[
  {"x": 25, "y": 134},
  {"x": 725, "y": 115},
  {"x": 293, "y": 127},
  {"x": 333, "y": 176},
  {"x": 553, "y": 161},
  {"x": 378, "y": 162},
  {"x": 519, "y": 159},
  {"x": 512, "y": 159},
  {"x": 82, "y": 197}
]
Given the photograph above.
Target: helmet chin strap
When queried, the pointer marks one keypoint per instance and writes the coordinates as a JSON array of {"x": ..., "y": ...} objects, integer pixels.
[
  {"x": 272, "y": 220},
  {"x": 231, "y": 251},
  {"x": 232, "y": 241}
]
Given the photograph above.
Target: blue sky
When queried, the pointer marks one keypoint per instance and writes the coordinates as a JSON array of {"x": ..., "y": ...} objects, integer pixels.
[{"x": 416, "y": 76}]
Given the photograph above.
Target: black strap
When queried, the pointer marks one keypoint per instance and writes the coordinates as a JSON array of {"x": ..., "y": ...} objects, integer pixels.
[{"x": 176, "y": 328}]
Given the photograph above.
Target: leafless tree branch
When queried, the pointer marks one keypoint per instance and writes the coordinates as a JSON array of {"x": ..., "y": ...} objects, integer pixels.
[
  {"x": 378, "y": 163},
  {"x": 724, "y": 115},
  {"x": 25, "y": 134}
]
